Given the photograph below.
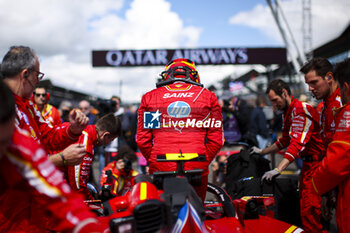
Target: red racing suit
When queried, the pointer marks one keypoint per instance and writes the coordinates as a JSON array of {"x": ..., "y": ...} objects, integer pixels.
[
  {"x": 301, "y": 134},
  {"x": 121, "y": 181},
  {"x": 51, "y": 138},
  {"x": 180, "y": 103},
  {"x": 32, "y": 188},
  {"x": 328, "y": 117},
  {"x": 51, "y": 114},
  {"x": 335, "y": 169},
  {"x": 79, "y": 175}
]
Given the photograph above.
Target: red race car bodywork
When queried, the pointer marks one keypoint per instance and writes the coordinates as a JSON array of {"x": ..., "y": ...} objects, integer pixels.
[
  {"x": 144, "y": 209},
  {"x": 168, "y": 203}
]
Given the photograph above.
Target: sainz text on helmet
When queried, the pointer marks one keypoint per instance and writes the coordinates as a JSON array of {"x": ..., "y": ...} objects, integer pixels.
[{"x": 180, "y": 69}]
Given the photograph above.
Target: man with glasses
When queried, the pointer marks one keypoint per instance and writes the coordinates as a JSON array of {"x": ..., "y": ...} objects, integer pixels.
[
  {"x": 106, "y": 129},
  {"x": 21, "y": 72},
  {"x": 48, "y": 112},
  {"x": 31, "y": 187}
]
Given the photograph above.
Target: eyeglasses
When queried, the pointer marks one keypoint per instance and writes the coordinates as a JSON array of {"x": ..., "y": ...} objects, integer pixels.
[
  {"x": 38, "y": 95},
  {"x": 40, "y": 75}
]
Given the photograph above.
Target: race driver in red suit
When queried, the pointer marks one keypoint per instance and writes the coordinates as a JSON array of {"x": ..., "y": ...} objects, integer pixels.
[
  {"x": 301, "y": 136},
  {"x": 334, "y": 170},
  {"x": 180, "y": 97},
  {"x": 31, "y": 186}
]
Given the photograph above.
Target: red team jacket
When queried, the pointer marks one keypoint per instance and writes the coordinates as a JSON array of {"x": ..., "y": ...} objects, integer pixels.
[
  {"x": 51, "y": 114},
  {"x": 32, "y": 187},
  {"x": 51, "y": 138},
  {"x": 179, "y": 102},
  {"x": 121, "y": 182},
  {"x": 78, "y": 175},
  {"x": 335, "y": 169},
  {"x": 300, "y": 132},
  {"x": 328, "y": 117}
]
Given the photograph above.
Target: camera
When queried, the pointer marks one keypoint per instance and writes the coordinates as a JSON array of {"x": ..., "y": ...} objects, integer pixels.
[
  {"x": 106, "y": 106},
  {"x": 226, "y": 103}
]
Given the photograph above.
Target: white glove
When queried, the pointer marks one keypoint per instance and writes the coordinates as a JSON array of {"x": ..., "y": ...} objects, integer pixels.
[
  {"x": 271, "y": 174},
  {"x": 255, "y": 150}
]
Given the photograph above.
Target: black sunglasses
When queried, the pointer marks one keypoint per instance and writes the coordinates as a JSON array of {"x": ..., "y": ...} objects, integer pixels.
[{"x": 38, "y": 95}]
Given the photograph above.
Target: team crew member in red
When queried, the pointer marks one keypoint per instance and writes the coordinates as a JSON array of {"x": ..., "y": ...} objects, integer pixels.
[
  {"x": 48, "y": 112},
  {"x": 122, "y": 175},
  {"x": 27, "y": 177},
  {"x": 319, "y": 77},
  {"x": 20, "y": 69},
  {"x": 107, "y": 128},
  {"x": 334, "y": 169},
  {"x": 301, "y": 137},
  {"x": 164, "y": 115}
]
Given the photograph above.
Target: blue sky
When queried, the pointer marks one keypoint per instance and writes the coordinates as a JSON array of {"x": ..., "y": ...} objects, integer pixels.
[
  {"x": 213, "y": 17},
  {"x": 64, "y": 32}
]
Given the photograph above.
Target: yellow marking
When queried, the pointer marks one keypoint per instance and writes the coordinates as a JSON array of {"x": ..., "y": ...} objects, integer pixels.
[
  {"x": 183, "y": 156},
  {"x": 32, "y": 132},
  {"x": 341, "y": 142},
  {"x": 143, "y": 191},
  {"x": 121, "y": 183},
  {"x": 134, "y": 173},
  {"x": 115, "y": 187},
  {"x": 246, "y": 198},
  {"x": 286, "y": 172},
  {"x": 180, "y": 88},
  {"x": 313, "y": 185},
  {"x": 291, "y": 229}
]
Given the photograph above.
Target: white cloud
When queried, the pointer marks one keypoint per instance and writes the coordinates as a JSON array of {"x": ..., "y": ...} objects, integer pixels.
[
  {"x": 64, "y": 33},
  {"x": 152, "y": 24},
  {"x": 50, "y": 27},
  {"x": 329, "y": 19}
]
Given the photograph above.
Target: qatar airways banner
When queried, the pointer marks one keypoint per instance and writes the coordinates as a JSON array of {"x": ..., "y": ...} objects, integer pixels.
[{"x": 200, "y": 56}]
